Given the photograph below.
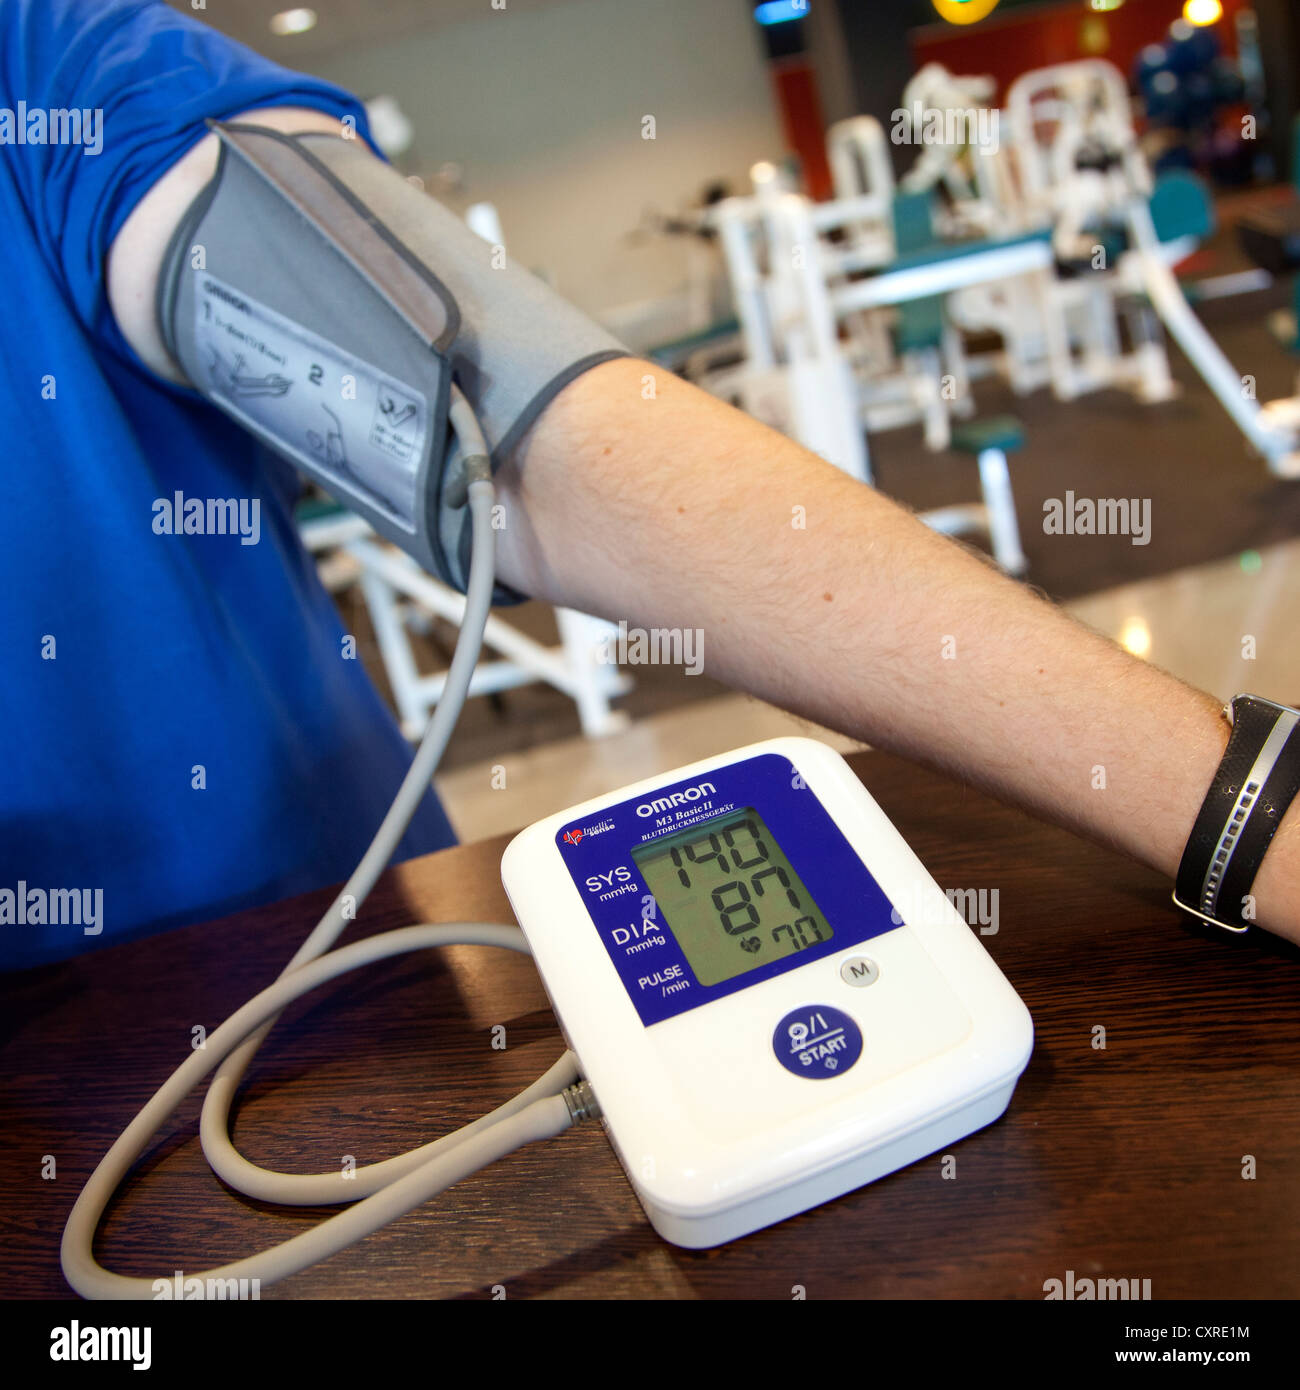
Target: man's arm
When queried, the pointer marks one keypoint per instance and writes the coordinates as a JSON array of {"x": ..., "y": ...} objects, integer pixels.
[
  {"x": 679, "y": 511},
  {"x": 136, "y": 259}
]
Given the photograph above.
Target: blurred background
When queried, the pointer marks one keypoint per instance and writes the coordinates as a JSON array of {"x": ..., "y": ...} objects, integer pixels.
[{"x": 1028, "y": 266}]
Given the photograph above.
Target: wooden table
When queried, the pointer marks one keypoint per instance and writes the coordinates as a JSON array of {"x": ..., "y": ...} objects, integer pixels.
[{"x": 1122, "y": 1162}]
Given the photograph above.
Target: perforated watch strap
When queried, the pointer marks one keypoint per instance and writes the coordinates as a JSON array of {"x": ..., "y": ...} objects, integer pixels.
[{"x": 1256, "y": 781}]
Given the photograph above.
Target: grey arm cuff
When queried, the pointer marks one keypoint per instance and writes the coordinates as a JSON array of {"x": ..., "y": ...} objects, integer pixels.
[
  {"x": 519, "y": 344},
  {"x": 308, "y": 262}
]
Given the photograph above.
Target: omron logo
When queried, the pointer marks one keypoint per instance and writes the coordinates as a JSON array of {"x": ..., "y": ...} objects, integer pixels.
[
  {"x": 666, "y": 803},
  {"x": 213, "y": 288}
]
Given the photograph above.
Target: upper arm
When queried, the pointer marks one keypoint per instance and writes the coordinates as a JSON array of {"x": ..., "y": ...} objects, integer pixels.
[
  {"x": 136, "y": 255},
  {"x": 145, "y": 79}
]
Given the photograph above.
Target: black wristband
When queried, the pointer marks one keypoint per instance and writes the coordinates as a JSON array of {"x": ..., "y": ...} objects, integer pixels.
[{"x": 1255, "y": 783}]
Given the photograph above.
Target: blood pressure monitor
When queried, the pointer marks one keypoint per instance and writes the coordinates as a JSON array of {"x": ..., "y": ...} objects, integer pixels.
[{"x": 772, "y": 1000}]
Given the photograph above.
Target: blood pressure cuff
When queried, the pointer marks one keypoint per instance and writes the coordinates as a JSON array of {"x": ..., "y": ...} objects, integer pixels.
[{"x": 325, "y": 303}]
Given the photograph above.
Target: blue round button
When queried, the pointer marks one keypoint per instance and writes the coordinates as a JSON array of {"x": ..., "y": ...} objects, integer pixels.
[{"x": 817, "y": 1041}]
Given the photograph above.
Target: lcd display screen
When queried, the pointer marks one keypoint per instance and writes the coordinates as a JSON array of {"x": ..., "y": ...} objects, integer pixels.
[{"x": 728, "y": 893}]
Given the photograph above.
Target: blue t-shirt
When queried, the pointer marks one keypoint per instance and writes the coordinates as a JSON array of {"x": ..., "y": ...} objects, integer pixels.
[{"x": 182, "y": 732}]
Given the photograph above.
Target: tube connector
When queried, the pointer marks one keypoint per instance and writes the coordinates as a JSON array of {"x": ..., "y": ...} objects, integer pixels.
[{"x": 582, "y": 1102}]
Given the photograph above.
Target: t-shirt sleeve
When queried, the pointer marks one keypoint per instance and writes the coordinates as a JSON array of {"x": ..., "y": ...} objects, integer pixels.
[{"x": 144, "y": 78}]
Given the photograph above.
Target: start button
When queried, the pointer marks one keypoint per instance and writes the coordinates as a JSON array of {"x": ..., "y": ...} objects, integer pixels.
[{"x": 817, "y": 1041}]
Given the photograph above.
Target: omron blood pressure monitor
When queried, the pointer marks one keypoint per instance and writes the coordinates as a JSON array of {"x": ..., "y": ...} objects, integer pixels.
[{"x": 772, "y": 1000}]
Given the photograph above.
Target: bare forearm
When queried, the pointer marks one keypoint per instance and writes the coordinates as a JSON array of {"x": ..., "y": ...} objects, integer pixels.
[{"x": 823, "y": 597}]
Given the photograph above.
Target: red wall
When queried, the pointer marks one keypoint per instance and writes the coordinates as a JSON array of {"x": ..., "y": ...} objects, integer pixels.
[
  {"x": 1006, "y": 45},
  {"x": 801, "y": 117}
]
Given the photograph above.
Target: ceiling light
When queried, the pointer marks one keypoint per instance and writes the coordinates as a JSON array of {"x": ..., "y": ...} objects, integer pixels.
[
  {"x": 1202, "y": 12},
  {"x": 293, "y": 21},
  {"x": 1135, "y": 637}
]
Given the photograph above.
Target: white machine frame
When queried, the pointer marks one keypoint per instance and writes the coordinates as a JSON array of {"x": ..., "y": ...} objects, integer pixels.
[
  {"x": 820, "y": 364},
  {"x": 401, "y": 598},
  {"x": 1071, "y": 102}
]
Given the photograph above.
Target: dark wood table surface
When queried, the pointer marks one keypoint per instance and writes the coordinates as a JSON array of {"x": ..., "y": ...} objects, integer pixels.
[{"x": 1125, "y": 1162}]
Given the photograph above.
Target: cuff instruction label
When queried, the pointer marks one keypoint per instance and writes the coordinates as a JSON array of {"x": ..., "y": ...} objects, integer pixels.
[{"x": 333, "y": 412}]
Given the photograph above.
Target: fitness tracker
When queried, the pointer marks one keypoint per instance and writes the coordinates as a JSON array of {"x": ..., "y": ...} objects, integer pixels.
[{"x": 1255, "y": 783}]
